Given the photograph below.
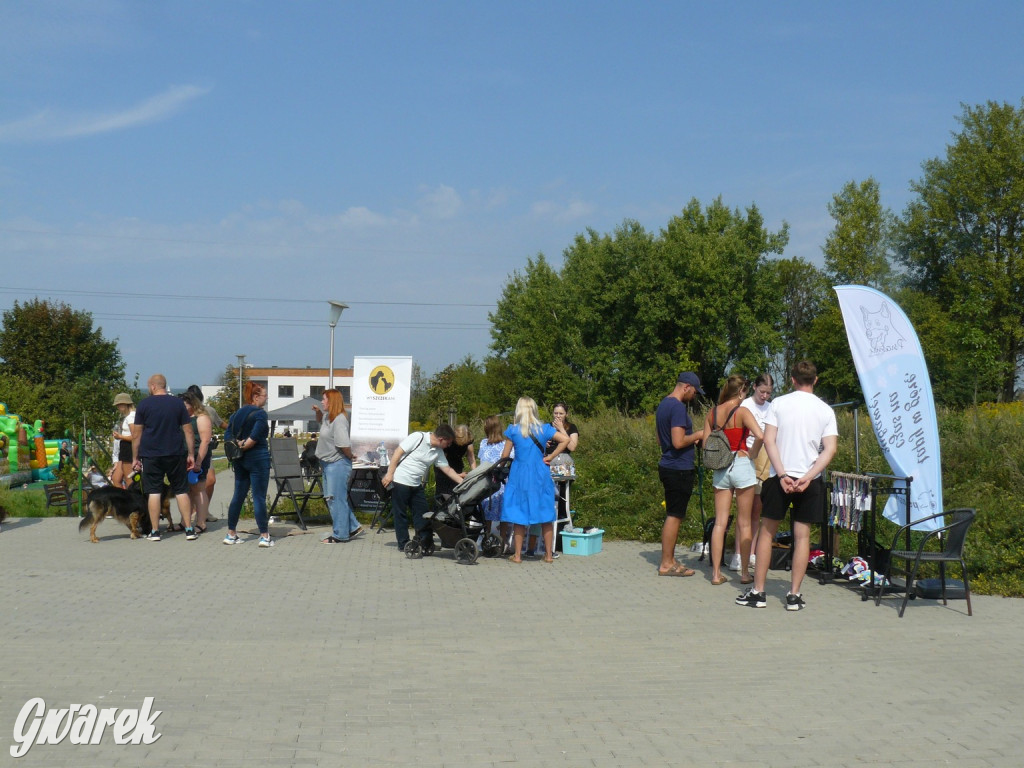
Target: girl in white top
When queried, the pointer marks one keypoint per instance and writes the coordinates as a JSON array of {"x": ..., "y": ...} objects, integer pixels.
[
  {"x": 759, "y": 403},
  {"x": 121, "y": 469}
]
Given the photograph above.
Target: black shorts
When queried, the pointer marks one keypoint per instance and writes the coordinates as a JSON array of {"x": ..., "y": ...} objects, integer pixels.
[
  {"x": 155, "y": 468},
  {"x": 678, "y": 485},
  {"x": 124, "y": 451},
  {"x": 808, "y": 506}
]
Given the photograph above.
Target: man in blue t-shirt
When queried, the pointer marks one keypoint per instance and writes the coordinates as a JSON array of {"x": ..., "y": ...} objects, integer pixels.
[
  {"x": 677, "y": 438},
  {"x": 162, "y": 445}
]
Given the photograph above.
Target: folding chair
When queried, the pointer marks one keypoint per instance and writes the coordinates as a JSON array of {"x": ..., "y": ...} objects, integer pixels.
[{"x": 284, "y": 461}]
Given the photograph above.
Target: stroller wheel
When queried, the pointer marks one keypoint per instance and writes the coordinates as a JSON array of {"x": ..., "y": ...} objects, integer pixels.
[
  {"x": 413, "y": 550},
  {"x": 466, "y": 551},
  {"x": 492, "y": 545}
]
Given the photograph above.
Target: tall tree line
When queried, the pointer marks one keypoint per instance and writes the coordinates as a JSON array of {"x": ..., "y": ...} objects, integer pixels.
[{"x": 711, "y": 291}]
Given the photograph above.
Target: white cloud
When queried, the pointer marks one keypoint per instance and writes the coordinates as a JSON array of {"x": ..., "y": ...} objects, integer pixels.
[
  {"x": 53, "y": 125},
  {"x": 574, "y": 210},
  {"x": 443, "y": 202}
]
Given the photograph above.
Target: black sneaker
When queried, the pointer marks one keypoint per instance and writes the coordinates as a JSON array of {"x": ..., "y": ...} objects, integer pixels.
[
  {"x": 153, "y": 536},
  {"x": 752, "y": 599},
  {"x": 794, "y": 602},
  {"x": 190, "y": 534}
]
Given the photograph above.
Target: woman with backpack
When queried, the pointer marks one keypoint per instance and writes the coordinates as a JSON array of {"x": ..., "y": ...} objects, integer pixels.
[
  {"x": 250, "y": 427},
  {"x": 737, "y": 423}
]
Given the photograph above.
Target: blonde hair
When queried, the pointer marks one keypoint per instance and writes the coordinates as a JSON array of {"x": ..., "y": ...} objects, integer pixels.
[
  {"x": 335, "y": 404},
  {"x": 462, "y": 435},
  {"x": 526, "y": 416}
]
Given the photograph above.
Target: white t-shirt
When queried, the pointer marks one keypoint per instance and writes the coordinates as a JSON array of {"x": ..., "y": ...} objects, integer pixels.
[
  {"x": 802, "y": 420},
  {"x": 418, "y": 457},
  {"x": 126, "y": 424},
  {"x": 760, "y": 414}
]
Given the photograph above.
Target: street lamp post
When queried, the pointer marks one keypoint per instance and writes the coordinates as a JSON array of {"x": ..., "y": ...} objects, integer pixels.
[
  {"x": 241, "y": 364},
  {"x": 336, "y": 309}
]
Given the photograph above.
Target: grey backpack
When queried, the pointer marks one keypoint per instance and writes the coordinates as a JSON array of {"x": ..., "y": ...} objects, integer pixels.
[{"x": 717, "y": 452}]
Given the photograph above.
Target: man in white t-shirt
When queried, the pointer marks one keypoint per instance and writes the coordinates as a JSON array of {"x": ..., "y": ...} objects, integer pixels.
[
  {"x": 407, "y": 475},
  {"x": 800, "y": 437}
]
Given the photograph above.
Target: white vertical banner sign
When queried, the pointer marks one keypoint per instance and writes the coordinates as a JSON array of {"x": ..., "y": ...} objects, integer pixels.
[
  {"x": 898, "y": 394},
  {"x": 381, "y": 389}
]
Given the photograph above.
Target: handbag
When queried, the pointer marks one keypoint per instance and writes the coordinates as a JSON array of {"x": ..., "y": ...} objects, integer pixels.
[{"x": 233, "y": 445}]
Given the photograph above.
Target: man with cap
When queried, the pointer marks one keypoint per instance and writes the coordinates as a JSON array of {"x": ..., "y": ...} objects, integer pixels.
[{"x": 676, "y": 468}]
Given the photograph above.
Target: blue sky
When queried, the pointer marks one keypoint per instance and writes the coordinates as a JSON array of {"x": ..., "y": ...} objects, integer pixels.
[{"x": 204, "y": 176}]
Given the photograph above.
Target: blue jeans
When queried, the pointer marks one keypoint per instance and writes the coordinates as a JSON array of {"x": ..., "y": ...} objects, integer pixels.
[
  {"x": 257, "y": 477},
  {"x": 404, "y": 497},
  {"x": 336, "y": 476}
]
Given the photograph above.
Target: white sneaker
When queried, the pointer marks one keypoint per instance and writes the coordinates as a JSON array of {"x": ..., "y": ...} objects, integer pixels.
[
  {"x": 734, "y": 563},
  {"x": 266, "y": 541}
]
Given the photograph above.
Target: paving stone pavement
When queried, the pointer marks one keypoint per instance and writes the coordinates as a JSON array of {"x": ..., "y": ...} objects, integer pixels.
[{"x": 351, "y": 655}]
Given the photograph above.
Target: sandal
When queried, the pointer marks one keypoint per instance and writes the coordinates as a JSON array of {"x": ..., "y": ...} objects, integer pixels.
[
  {"x": 332, "y": 540},
  {"x": 720, "y": 580},
  {"x": 175, "y": 528},
  {"x": 200, "y": 529},
  {"x": 677, "y": 570},
  {"x": 747, "y": 580}
]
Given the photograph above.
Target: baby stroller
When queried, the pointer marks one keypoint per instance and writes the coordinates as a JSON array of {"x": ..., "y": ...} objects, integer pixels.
[
  {"x": 458, "y": 520},
  {"x": 309, "y": 464}
]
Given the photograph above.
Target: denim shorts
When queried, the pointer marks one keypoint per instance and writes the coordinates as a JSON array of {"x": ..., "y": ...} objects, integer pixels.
[{"x": 738, "y": 476}]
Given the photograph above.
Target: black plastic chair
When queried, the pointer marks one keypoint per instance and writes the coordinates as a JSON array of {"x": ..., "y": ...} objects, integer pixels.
[
  {"x": 955, "y": 534},
  {"x": 58, "y": 495}
]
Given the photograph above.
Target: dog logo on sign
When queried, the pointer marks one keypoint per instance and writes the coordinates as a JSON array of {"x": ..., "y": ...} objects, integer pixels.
[
  {"x": 382, "y": 379},
  {"x": 879, "y": 330}
]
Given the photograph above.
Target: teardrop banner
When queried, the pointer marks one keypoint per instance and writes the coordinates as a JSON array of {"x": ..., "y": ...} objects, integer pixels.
[{"x": 898, "y": 395}]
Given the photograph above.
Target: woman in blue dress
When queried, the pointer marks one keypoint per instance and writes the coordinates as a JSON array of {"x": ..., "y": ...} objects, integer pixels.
[{"x": 530, "y": 492}]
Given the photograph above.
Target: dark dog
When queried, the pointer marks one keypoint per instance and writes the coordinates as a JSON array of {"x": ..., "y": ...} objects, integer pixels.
[{"x": 126, "y": 506}]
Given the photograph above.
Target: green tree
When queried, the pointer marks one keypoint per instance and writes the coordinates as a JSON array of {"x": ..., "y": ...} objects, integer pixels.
[
  {"x": 225, "y": 402},
  {"x": 608, "y": 287},
  {"x": 803, "y": 291},
  {"x": 857, "y": 252},
  {"x": 52, "y": 344},
  {"x": 961, "y": 240},
  {"x": 629, "y": 310},
  {"x": 534, "y": 334},
  {"x": 711, "y": 307}
]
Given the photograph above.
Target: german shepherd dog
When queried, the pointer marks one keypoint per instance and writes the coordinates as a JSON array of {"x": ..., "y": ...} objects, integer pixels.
[{"x": 126, "y": 506}]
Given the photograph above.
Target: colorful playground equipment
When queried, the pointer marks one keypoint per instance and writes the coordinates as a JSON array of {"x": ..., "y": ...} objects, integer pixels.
[{"x": 24, "y": 459}]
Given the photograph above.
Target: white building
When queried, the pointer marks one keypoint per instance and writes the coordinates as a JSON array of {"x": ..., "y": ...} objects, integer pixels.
[{"x": 288, "y": 385}]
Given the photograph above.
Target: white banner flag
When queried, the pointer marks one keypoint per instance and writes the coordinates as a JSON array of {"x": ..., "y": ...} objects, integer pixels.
[{"x": 898, "y": 394}]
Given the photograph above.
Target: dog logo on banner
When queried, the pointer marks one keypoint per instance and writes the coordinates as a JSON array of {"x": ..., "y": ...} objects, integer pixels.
[
  {"x": 382, "y": 379},
  {"x": 879, "y": 330}
]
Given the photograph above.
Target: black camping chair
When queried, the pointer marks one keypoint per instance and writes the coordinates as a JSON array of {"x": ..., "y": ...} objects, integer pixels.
[{"x": 955, "y": 535}]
